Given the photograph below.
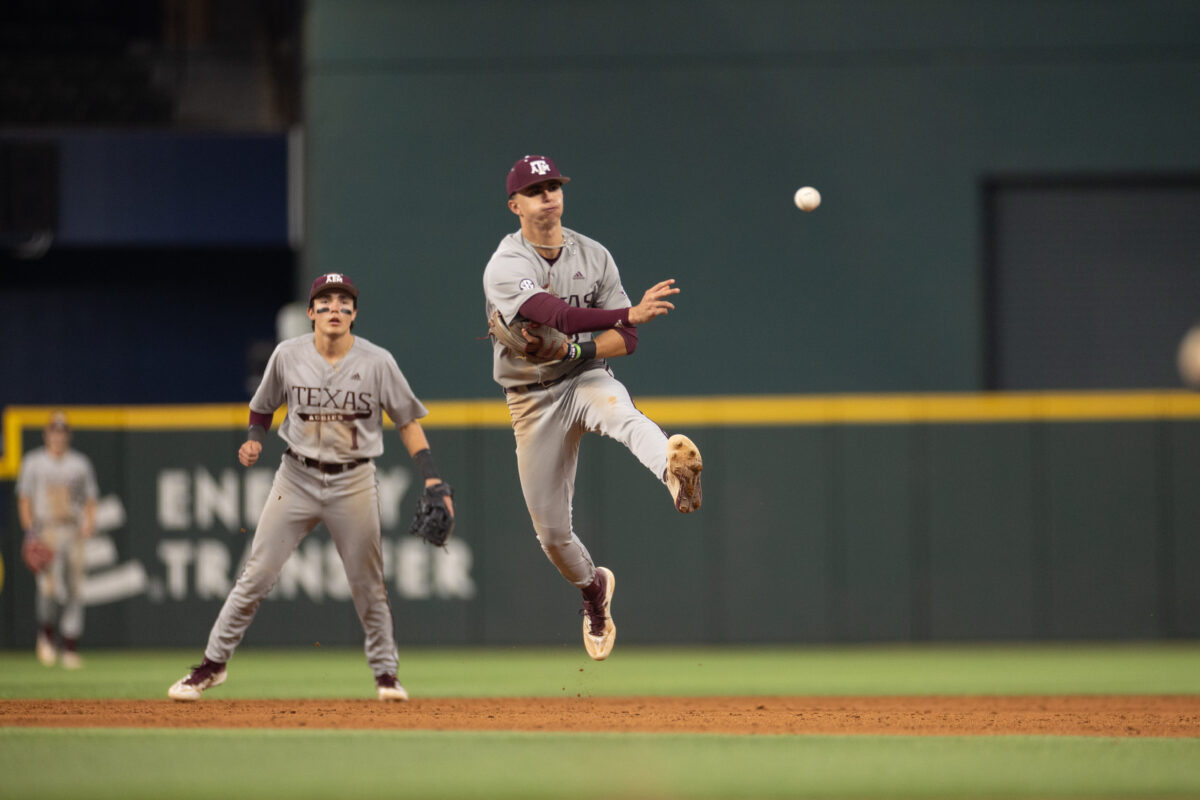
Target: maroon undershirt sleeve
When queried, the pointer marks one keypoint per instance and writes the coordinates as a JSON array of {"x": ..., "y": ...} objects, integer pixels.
[
  {"x": 549, "y": 310},
  {"x": 629, "y": 334}
]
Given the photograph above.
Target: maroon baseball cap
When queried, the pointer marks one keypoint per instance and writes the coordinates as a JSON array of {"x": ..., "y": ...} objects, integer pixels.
[
  {"x": 330, "y": 281},
  {"x": 530, "y": 170}
]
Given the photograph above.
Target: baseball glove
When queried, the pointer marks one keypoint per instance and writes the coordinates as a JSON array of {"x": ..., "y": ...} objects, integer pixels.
[
  {"x": 433, "y": 521},
  {"x": 545, "y": 347},
  {"x": 36, "y": 554}
]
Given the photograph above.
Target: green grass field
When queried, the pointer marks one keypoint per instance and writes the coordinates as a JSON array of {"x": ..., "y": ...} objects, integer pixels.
[{"x": 300, "y": 764}]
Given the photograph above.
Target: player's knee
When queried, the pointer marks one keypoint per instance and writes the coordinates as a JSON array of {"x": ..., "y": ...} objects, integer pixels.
[{"x": 555, "y": 541}]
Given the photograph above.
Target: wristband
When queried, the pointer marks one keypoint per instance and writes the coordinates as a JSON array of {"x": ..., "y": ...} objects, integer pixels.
[
  {"x": 424, "y": 461},
  {"x": 256, "y": 433},
  {"x": 576, "y": 352}
]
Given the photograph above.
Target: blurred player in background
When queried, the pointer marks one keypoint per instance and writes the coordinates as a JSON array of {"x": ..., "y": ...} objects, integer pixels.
[
  {"x": 336, "y": 387},
  {"x": 554, "y": 276},
  {"x": 1188, "y": 358},
  {"x": 56, "y": 505}
]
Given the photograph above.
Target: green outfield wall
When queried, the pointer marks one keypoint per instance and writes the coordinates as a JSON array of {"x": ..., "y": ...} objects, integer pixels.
[
  {"x": 825, "y": 519},
  {"x": 686, "y": 128}
]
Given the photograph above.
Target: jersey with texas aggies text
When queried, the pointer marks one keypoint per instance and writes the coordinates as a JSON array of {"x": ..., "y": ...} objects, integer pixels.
[
  {"x": 585, "y": 276},
  {"x": 335, "y": 410}
]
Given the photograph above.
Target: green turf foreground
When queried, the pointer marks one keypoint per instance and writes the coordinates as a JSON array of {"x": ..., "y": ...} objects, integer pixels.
[
  {"x": 321, "y": 764},
  {"x": 267, "y": 764},
  {"x": 1083, "y": 668}
]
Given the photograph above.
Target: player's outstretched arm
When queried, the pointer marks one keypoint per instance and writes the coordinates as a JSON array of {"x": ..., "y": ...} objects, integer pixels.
[{"x": 653, "y": 303}]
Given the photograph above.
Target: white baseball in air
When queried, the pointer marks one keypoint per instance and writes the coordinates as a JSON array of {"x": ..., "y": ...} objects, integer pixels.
[{"x": 807, "y": 198}]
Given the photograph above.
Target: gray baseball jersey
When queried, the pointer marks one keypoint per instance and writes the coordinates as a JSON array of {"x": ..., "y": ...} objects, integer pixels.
[
  {"x": 353, "y": 393},
  {"x": 335, "y": 417},
  {"x": 549, "y": 422},
  {"x": 585, "y": 276},
  {"x": 58, "y": 489}
]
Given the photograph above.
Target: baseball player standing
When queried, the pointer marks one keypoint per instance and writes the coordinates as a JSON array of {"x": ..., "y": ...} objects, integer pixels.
[
  {"x": 56, "y": 505},
  {"x": 336, "y": 386},
  {"x": 553, "y": 276}
]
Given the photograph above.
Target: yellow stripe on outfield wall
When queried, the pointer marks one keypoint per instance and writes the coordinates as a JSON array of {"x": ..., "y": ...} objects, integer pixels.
[
  {"x": 918, "y": 408},
  {"x": 875, "y": 409},
  {"x": 732, "y": 410}
]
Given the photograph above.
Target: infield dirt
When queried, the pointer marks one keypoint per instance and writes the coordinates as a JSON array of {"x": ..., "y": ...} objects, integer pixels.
[{"x": 1069, "y": 715}]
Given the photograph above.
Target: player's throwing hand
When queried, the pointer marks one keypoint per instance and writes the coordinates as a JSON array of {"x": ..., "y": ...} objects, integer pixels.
[{"x": 652, "y": 304}]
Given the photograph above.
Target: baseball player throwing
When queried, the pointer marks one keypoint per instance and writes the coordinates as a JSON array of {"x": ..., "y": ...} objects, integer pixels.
[
  {"x": 336, "y": 386},
  {"x": 56, "y": 505},
  {"x": 553, "y": 276}
]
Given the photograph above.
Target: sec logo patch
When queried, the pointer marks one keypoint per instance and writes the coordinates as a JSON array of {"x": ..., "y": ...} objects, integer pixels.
[{"x": 526, "y": 285}]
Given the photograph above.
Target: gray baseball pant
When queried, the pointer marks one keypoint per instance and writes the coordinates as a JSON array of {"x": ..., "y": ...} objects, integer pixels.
[
  {"x": 62, "y": 605},
  {"x": 548, "y": 425},
  {"x": 348, "y": 504}
]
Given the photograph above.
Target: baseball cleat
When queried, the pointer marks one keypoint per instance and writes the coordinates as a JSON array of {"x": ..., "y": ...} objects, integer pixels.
[
  {"x": 71, "y": 660},
  {"x": 599, "y": 630},
  {"x": 389, "y": 688},
  {"x": 683, "y": 473},
  {"x": 45, "y": 650},
  {"x": 205, "y": 676}
]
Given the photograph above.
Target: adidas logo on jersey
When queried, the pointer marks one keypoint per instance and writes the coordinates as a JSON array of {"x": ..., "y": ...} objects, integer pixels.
[
  {"x": 356, "y": 377},
  {"x": 578, "y": 276}
]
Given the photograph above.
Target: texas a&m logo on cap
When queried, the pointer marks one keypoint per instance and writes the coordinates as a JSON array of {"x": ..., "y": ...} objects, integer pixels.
[
  {"x": 333, "y": 280},
  {"x": 530, "y": 170}
]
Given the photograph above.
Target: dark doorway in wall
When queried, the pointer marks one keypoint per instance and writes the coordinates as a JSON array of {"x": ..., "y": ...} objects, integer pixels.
[{"x": 1090, "y": 282}]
